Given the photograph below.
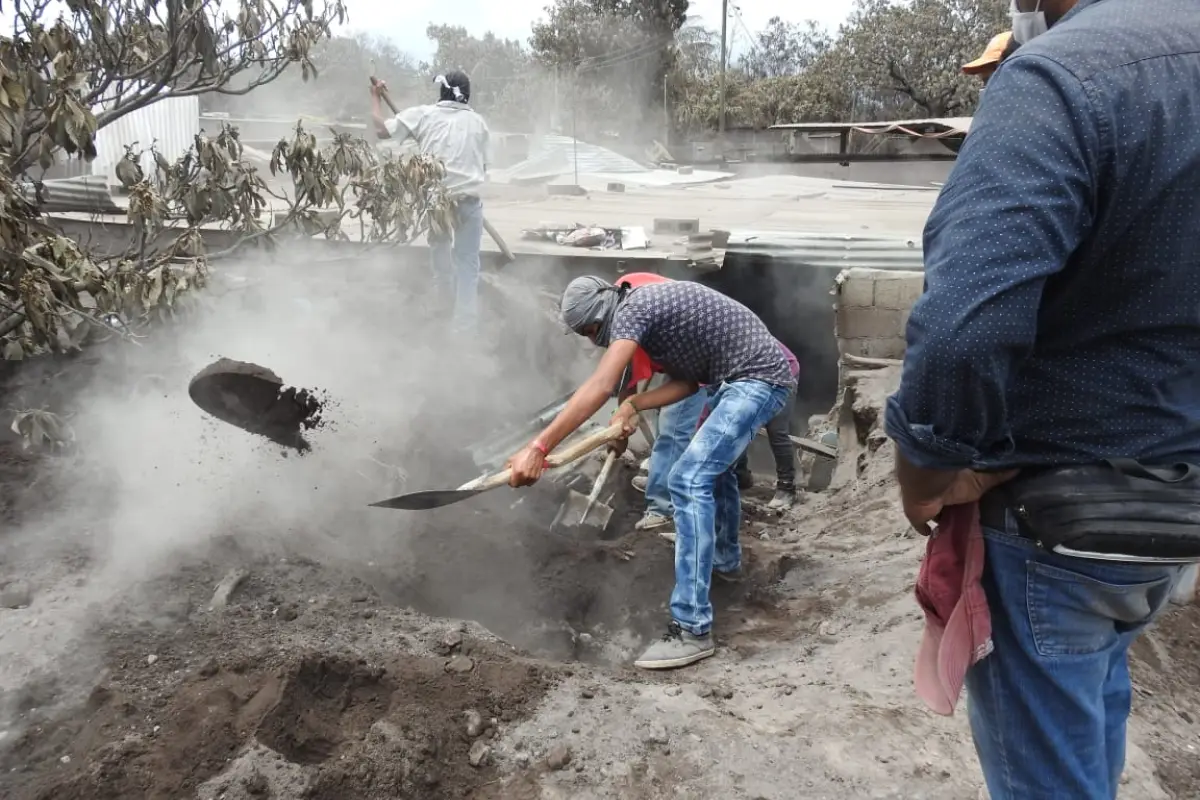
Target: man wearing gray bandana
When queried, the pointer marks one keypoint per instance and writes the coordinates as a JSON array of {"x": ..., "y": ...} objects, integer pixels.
[
  {"x": 698, "y": 336},
  {"x": 454, "y": 133}
]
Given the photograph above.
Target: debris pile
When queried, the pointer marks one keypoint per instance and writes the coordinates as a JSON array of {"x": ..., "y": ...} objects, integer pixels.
[{"x": 591, "y": 237}]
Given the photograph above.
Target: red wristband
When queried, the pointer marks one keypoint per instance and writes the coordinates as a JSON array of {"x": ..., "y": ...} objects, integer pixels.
[{"x": 541, "y": 448}]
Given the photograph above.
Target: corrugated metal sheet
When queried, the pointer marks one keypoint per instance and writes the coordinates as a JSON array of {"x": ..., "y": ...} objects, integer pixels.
[
  {"x": 170, "y": 125},
  {"x": 831, "y": 251},
  {"x": 933, "y": 127},
  {"x": 87, "y": 195},
  {"x": 552, "y": 156}
]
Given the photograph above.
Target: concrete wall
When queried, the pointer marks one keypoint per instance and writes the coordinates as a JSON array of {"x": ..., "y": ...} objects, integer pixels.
[
  {"x": 909, "y": 173},
  {"x": 871, "y": 310}
]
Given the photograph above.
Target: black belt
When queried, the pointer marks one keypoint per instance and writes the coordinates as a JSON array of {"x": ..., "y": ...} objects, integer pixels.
[{"x": 993, "y": 513}]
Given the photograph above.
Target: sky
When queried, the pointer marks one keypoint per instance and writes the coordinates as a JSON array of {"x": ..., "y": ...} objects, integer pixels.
[{"x": 404, "y": 23}]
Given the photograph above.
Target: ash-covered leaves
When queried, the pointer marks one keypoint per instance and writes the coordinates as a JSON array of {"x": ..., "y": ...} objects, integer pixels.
[{"x": 64, "y": 76}]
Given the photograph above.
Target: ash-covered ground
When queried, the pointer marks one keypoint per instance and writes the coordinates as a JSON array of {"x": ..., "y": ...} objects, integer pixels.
[{"x": 188, "y": 613}]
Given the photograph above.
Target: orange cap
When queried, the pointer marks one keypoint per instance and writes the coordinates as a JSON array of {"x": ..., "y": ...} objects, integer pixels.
[{"x": 991, "y": 54}]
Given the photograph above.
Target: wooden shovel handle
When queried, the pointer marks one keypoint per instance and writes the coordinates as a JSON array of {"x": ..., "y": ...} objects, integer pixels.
[
  {"x": 383, "y": 95},
  {"x": 559, "y": 458}
]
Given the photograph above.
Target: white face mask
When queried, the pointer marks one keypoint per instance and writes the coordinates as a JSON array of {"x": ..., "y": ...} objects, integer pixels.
[{"x": 1027, "y": 24}]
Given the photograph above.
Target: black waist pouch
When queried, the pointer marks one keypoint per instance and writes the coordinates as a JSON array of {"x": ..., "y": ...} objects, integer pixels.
[{"x": 1119, "y": 510}]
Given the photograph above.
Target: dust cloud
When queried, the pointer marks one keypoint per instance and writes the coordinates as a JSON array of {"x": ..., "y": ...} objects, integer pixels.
[{"x": 156, "y": 484}]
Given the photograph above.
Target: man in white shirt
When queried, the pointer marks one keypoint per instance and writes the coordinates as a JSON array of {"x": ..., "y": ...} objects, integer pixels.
[{"x": 453, "y": 132}]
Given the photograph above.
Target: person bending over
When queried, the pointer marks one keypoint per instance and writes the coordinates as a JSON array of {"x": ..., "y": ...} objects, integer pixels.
[{"x": 699, "y": 336}]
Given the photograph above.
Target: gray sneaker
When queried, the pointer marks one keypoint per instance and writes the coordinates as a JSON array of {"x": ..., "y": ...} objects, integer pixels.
[
  {"x": 783, "y": 500},
  {"x": 640, "y": 482},
  {"x": 652, "y": 520},
  {"x": 677, "y": 648},
  {"x": 644, "y": 466}
]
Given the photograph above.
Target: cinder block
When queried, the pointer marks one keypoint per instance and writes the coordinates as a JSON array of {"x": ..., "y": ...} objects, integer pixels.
[
  {"x": 670, "y": 225},
  {"x": 857, "y": 292},
  {"x": 898, "y": 293},
  {"x": 869, "y": 323},
  {"x": 913, "y": 288}
]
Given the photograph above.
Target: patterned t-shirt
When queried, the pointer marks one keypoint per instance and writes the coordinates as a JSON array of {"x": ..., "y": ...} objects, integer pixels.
[{"x": 698, "y": 334}]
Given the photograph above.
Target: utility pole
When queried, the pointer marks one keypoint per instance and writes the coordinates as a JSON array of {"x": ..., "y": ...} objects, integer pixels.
[
  {"x": 556, "y": 125},
  {"x": 724, "y": 58},
  {"x": 574, "y": 137},
  {"x": 666, "y": 116}
]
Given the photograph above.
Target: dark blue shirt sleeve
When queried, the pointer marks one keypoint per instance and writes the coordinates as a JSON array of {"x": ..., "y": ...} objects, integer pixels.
[{"x": 1018, "y": 203}]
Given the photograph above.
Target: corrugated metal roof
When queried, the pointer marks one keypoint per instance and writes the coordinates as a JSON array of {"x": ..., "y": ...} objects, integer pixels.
[
  {"x": 931, "y": 128},
  {"x": 830, "y": 251},
  {"x": 87, "y": 194},
  {"x": 551, "y": 156},
  {"x": 170, "y": 125}
]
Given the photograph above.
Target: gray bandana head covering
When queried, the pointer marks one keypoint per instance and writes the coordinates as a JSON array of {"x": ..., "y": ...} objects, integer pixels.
[{"x": 590, "y": 300}]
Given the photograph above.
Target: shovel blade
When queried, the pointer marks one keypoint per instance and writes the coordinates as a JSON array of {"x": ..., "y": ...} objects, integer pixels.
[
  {"x": 571, "y": 513},
  {"x": 424, "y": 501}
]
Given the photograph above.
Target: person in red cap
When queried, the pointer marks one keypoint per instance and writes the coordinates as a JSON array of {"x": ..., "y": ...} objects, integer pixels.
[
  {"x": 1047, "y": 423},
  {"x": 1000, "y": 47}
]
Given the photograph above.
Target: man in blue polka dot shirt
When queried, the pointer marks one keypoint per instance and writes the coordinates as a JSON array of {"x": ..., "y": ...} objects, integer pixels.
[{"x": 1059, "y": 336}]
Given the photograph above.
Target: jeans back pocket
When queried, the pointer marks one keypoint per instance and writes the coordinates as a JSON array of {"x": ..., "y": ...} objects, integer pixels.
[{"x": 1073, "y": 614}]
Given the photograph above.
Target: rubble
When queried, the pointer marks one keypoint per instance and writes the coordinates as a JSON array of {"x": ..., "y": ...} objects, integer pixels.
[
  {"x": 16, "y": 594},
  {"x": 228, "y": 585},
  {"x": 559, "y": 757}
]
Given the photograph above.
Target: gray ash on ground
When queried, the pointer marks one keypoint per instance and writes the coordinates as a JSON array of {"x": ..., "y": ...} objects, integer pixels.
[{"x": 254, "y": 399}]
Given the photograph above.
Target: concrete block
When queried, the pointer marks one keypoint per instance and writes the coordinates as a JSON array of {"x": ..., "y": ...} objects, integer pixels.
[
  {"x": 898, "y": 293},
  {"x": 670, "y": 225},
  {"x": 856, "y": 292},
  {"x": 616, "y": 187},
  {"x": 869, "y": 323}
]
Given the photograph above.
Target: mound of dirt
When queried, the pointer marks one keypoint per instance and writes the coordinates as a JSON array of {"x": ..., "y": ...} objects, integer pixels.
[
  {"x": 254, "y": 399},
  {"x": 215, "y": 717}
]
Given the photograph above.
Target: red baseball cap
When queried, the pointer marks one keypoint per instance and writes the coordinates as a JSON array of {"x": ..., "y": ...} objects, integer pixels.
[{"x": 958, "y": 625}]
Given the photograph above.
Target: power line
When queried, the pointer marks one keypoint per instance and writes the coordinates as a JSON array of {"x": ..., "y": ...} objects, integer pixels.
[{"x": 594, "y": 63}]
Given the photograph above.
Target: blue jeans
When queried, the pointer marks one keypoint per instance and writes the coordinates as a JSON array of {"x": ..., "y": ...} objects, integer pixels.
[
  {"x": 676, "y": 426},
  {"x": 1048, "y": 706},
  {"x": 455, "y": 264},
  {"x": 704, "y": 490}
]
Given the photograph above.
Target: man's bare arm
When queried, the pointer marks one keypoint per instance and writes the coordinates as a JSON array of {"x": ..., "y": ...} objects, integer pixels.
[
  {"x": 671, "y": 392},
  {"x": 377, "y": 115},
  {"x": 592, "y": 395}
]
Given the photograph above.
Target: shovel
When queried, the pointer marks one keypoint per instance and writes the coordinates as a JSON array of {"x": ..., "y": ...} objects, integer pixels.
[
  {"x": 603, "y": 512},
  {"x": 437, "y": 498}
]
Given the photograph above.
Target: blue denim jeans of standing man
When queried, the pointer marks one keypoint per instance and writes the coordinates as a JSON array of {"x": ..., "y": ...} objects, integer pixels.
[
  {"x": 455, "y": 263},
  {"x": 676, "y": 426},
  {"x": 704, "y": 491},
  {"x": 1048, "y": 707}
]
